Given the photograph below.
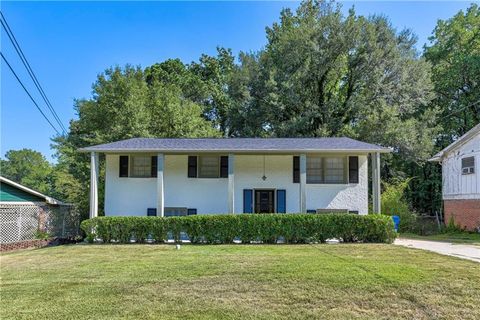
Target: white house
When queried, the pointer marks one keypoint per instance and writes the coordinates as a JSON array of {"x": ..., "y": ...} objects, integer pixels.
[
  {"x": 461, "y": 180},
  {"x": 165, "y": 177}
]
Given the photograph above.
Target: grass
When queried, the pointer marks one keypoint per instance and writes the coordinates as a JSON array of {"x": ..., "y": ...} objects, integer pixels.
[
  {"x": 345, "y": 281},
  {"x": 459, "y": 237}
]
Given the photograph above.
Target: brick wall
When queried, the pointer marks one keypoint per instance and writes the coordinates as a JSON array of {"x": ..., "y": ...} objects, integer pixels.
[
  {"x": 37, "y": 243},
  {"x": 466, "y": 213}
]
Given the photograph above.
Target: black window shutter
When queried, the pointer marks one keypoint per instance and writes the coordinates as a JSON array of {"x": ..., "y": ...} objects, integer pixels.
[
  {"x": 296, "y": 169},
  {"x": 224, "y": 167},
  {"x": 123, "y": 166},
  {"x": 192, "y": 166},
  {"x": 353, "y": 169},
  {"x": 153, "y": 173}
]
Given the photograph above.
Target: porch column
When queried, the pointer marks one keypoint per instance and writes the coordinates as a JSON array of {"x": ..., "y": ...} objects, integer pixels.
[
  {"x": 303, "y": 183},
  {"x": 93, "y": 185},
  {"x": 376, "y": 182},
  {"x": 231, "y": 185},
  {"x": 160, "y": 191}
]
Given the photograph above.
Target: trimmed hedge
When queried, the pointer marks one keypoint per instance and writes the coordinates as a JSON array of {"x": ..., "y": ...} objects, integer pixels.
[{"x": 266, "y": 228}]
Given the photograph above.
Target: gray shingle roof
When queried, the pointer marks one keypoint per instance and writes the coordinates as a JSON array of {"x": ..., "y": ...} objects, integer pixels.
[{"x": 236, "y": 144}]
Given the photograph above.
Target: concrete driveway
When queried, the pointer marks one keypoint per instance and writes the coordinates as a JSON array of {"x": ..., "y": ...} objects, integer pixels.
[{"x": 464, "y": 251}]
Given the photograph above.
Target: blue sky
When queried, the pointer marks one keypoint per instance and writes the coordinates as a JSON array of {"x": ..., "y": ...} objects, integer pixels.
[{"x": 69, "y": 43}]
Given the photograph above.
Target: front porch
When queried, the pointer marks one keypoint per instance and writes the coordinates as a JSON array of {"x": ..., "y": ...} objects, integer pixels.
[{"x": 254, "y": 182}]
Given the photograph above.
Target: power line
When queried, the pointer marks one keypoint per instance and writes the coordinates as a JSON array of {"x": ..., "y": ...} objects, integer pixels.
[
  {"x": 28, "y": 93},
  {"x": 27, "y": 66},
  {"x": 461, "y": 109}
]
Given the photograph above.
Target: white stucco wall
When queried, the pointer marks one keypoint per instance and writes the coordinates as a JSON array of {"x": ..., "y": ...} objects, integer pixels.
[
  {"x": 455, "y": 184},
  {"x": 279, "y": 173},
  {"x": 353, "y": 197},
  {"x": 127, "y": 196},
  {"x": 132, "y": 196}
]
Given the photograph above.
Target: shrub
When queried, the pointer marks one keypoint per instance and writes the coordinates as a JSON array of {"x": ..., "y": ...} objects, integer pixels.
[
  {"x": 266, "y": 228},
  {"x": 394, "y": 203},
  {"x": 452, "y": 227}
]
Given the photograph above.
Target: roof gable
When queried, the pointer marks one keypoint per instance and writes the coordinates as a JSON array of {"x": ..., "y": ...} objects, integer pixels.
[
  {"x": 471, "y": 134},
  {"x": 15, "y": 192},
  {"x": 9, "y": 193}
]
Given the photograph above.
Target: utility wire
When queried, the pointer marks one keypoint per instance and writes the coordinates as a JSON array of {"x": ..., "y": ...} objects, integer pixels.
[
  {"x": 27, "y": 66},
  {"x": 459, "y": 110},
  {"x": 28, "y": 93}
]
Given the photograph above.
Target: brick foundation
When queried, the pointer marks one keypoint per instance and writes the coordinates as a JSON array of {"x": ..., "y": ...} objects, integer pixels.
[
  {"x": 466, "y": 213},
  {"x": 37, "y": 243}
]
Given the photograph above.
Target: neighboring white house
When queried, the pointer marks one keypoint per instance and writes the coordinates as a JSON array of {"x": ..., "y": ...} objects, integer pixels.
[
  {"x": 160, "y": 177},
  {"x": 461, "y": 179}
]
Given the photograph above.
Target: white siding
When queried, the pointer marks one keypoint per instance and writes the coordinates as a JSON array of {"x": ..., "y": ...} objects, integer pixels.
[
  {"x": 132, "y": 196},
  {"x": 455, "y": 184}
]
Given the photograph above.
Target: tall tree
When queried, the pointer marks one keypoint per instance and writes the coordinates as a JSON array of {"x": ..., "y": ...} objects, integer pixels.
[
  {"x": 29, "y": 168},
  {"x": 454, "y": 53},
  {"x": 215, "y": 72},
  {"x": 125, "y": 105},
  {"x": 326, "y": 74}
]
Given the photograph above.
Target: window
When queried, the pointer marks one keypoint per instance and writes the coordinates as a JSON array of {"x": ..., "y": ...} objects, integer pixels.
[
  {"x": 175, "y": 211},
  {"x": 314, "y": 169},
  {"x": 468, "y": 165},
  {"x": 141, "y": 166},
  {"x": 209, "y": 167},
  {"x": 334, "y": 170},
  {"x": 326, "y": 170}
]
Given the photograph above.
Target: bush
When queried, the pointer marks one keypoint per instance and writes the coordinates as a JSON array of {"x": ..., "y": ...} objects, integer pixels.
[
  {"x": 393, "y": 202},
  {"x": 266, "y": 228},
  {"x": 452, "y": 227}
]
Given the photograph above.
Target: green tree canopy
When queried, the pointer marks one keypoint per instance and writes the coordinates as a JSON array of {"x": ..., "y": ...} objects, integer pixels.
[
  {"x": 29, "y": 168},
  {"x": 326, "y": 74},
  {"x": 126, "y": 103},
  {"x": 321, "y": 73},
  {"x": 454, "y": 53}
]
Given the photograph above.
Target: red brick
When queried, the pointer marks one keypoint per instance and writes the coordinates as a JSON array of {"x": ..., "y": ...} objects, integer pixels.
[
  {"x": 37, "y": 243},
  {"x": 465, "y": 213}
]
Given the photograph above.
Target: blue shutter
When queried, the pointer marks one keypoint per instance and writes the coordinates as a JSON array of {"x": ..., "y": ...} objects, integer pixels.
[
  {"x": 247, "y": 201},
  {"x": 281, "y": 201}
]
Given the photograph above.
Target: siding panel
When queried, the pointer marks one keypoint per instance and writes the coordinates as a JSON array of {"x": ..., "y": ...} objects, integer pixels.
[{"x": 9, "y": 193}]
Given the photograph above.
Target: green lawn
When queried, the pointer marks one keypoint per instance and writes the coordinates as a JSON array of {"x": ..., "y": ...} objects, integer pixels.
[
  {"x": 460, "y": 238},
  {"x": 237, "y": 282}
]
